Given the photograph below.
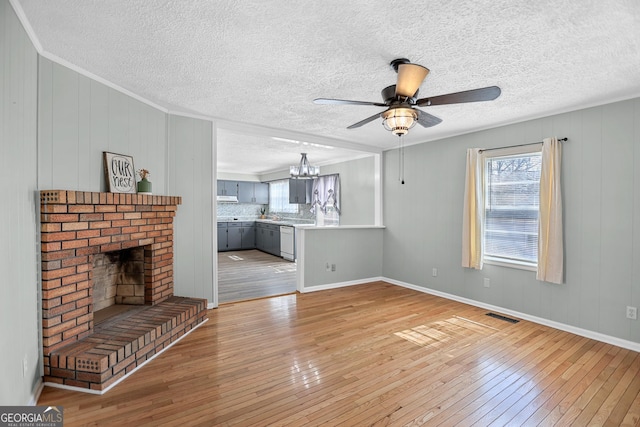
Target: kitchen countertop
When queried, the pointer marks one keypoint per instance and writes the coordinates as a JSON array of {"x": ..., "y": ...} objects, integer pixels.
[{"x": 280, "y": 221}]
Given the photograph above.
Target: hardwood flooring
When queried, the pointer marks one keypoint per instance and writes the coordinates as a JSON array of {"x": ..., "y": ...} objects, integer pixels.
[
  {"x": 250, "y": 274},
  {"x": 369, "y": 355}
]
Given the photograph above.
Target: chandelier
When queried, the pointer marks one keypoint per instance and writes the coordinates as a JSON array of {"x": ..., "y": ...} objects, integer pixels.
[{"x": 304, "y": 169}]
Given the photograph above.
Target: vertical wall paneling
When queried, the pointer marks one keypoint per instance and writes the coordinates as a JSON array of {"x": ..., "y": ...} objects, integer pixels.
[
  {"x": 601, "y": 170},
  {"x": 19, "y": 322},
  {"x": 192, "y": 176},
  {"x": 635, "y": 289},
  {"x": 80, "y": 118}
]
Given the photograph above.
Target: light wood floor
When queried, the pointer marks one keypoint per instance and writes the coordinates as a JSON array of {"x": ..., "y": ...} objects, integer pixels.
[
  {"x": 372, "y": 354},
  {"x": 245, "y": 275}
]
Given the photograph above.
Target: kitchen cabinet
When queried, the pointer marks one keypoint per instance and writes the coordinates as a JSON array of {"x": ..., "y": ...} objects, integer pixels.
[
  {"x": 300, "y": 190},
  {"x": 268, "y": 238},
  {"x": 248, "y": 235},
  {"x": 234, "y": 236},
  {"x": 253, "y": 192},
  {"x": 227, "y": 188},
  {"x": 222, "y": 236}
]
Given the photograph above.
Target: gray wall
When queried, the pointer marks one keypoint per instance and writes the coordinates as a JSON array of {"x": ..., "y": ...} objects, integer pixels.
[
  {"x": 79, "y": 118},
  {"x": 191, "y": 171},
  {"x": 357, "y": 184},
  {"x": 19, "y": 313},
  {"x": 601, "y": 192},
  {"x": 356, "y": 253}
]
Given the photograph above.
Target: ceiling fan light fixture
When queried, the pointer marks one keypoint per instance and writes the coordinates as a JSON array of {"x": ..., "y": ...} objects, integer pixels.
[
  {"x": 304, "y": 169},
  {"x": 399, "y": 120}
]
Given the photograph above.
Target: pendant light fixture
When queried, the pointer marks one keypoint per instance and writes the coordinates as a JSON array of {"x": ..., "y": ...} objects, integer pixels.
[{"x": 304, "y": 170}]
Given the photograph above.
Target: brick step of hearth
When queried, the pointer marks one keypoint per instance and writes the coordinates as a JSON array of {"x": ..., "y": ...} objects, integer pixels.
[{"x": 122, "y": 343}]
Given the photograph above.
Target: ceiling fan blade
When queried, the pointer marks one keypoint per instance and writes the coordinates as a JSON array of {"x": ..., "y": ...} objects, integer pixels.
[
  {"x": 427, "y": 120},
  {"x": 410, "y": 77},
  {"x": 365, "y": 121},
  {"x": 328, "y": 101},
  {"x": 475, "y": 95}
]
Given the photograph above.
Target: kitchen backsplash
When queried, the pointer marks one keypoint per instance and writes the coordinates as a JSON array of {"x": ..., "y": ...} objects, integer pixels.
[{"x": 248, "y": 211}]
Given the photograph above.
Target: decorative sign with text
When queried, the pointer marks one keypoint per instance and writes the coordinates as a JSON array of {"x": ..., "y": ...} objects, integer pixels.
[{"x": 119, "y": 173}]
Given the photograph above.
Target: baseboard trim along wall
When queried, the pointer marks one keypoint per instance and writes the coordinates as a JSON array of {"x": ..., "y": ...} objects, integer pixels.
[
  {"x": 307, "y": 289},
  {"x": 629, "y": 345}
]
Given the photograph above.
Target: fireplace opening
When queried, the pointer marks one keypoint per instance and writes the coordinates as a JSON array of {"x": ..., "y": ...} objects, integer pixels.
[{"x": 118, "y": 282}]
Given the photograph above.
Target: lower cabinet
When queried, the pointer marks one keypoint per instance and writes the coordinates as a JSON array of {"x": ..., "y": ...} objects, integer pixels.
[
  {"x": 268, "y": 238},
  {"x": 234, "y": 236}
]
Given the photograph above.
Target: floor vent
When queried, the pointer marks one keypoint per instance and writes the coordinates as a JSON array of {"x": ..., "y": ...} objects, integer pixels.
[{"x": 501, "y": 317}]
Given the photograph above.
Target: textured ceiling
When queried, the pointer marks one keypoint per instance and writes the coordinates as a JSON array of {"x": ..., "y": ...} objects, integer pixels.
[{"x": 263, "y": 62}]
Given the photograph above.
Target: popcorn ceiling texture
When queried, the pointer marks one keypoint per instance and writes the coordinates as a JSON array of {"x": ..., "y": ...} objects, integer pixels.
[{"x": 263, "y": 62}]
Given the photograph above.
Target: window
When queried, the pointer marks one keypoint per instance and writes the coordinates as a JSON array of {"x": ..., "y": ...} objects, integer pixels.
[
  {"x": 511, "y": 206},
  {"x": 279, "y": 197}
]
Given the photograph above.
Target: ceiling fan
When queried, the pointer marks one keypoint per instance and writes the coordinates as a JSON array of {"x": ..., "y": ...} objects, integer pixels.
[{"x": 402, "y": 99}]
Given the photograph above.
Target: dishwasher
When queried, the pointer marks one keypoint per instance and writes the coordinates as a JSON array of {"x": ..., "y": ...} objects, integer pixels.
[{"x": 287, "y": 242}]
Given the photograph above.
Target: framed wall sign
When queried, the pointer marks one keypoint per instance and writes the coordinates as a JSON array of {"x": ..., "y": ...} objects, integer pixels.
[{"x": 119, "y": 173}]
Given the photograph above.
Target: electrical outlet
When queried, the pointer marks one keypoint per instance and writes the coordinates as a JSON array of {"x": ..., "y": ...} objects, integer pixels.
[
  {"x": 328, "y": 267},
  {"x": 434, "y": 272},
  {"x": 487, "y": 282},
  {"x": 333, "y": 267},
  {"x": 632, "y": 313},
  {"x": 25, "y": 366}
]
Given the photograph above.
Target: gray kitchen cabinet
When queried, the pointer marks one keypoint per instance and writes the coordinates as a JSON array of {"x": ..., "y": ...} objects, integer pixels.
[
  {"x": 261, "y": 236},
  {"x": 235, "y": 236},
  {"x": 300, "y": 190},
  {"x": 261, "y": 193},
  {"x": 222, "y": 236},
  {"x": 248, "y": 232},
  {"x": 253, "y": 192},
  {"x": 268, "y": 238},
  {"x": 227, "y": 188}
]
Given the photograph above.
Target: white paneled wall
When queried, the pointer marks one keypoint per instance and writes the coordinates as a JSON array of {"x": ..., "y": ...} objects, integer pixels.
[
  {"x": 19, "y": 296},
  {"x": 601, "y": 191}
]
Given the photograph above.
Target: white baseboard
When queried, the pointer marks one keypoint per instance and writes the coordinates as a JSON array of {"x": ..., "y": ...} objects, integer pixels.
[
  {"x": 36, "y": 393},
  {"x": 630, "y": 345},
  {"x": 306, "y": 289},
  {"x": 100, "y": 392}
]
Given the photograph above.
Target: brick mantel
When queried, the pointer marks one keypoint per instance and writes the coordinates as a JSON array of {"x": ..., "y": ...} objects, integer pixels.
[{"x": 75, "y": 225}]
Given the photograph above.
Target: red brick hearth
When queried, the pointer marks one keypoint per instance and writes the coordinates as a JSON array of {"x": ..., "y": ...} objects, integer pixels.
[{"x": 77, "y": 225}]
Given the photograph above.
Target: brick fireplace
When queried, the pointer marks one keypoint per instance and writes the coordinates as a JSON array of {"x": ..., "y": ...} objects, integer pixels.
[{"x": 75, "y": 228}]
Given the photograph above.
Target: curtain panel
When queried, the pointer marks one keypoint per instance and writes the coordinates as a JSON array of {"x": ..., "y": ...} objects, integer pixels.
[
  {"x": 326, "y": 192},
  {"x": 472, "y": 216},
  {"x": 550, "y": 234}
]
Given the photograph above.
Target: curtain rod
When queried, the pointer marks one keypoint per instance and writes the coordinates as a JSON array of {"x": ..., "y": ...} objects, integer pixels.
[{"x": 519, "y": 145}]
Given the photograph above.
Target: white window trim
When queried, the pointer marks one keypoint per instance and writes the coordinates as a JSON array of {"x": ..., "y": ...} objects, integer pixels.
[{"x": 502, "y": 152}]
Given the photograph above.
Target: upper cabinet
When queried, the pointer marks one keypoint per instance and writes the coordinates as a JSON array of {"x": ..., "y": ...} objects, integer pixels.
[
  {"x": 246, "y": 191},
  {"x": 300, "y": 191},
  {"x": 227, "y": 188},
  {"x": 253, "y": 192}
]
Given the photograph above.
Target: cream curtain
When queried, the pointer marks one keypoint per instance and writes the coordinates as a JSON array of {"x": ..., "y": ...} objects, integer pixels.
[
  {"x": 550, "y": 237},
  {"x": 472, "y": 216}
]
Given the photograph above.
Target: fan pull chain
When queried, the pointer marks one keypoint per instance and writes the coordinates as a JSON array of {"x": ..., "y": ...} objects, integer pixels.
[{"x": 401, "y": 159}]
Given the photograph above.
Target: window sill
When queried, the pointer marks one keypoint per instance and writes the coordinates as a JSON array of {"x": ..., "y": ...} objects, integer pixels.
[{"x": 511, "y": 264}]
